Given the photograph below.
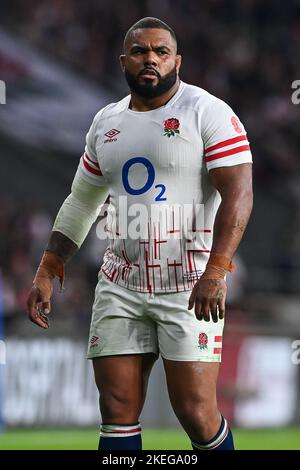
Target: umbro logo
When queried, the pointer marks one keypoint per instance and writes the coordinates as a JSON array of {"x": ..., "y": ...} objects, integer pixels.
[
  {"x": 94, "y": 341},
  {"x": 111, "y": 134}
]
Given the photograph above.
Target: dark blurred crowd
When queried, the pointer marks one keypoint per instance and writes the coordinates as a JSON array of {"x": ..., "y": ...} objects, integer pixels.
[{"x": 244, "y": 51}]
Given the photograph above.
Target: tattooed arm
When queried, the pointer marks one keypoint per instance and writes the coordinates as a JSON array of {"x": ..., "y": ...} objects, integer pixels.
[
  {"x": 61, "y": 246},
  {"x": 235, "y": 187}
]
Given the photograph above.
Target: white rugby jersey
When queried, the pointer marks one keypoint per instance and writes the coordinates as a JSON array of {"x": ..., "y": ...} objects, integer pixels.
[{"x": 157, "y": 164}]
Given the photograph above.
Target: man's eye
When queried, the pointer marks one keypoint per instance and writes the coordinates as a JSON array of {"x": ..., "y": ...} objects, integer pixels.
[{"x": 162, "y": 52}]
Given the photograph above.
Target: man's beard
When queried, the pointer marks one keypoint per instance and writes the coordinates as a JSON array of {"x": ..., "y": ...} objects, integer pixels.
[{"x": 147, "y": 89}]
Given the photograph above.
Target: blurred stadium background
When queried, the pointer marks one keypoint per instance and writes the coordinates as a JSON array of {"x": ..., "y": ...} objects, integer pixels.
[{"x": 59, "y": 60}]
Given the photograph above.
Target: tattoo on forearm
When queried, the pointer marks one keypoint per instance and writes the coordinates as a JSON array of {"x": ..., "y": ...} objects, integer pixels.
[
  {"x": 214, "y": 282},
  {"x": 61, "y": 246},
  {"x": 230, "y": 225},
  {"x": 240, "y": 225}
]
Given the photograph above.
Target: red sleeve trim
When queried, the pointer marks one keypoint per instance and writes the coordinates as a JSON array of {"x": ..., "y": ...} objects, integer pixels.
[
  {"x": 224, "y": 143},
  {"x": 90, "y": 160},
  {"x": 91, "y": 169},
  {"x": 227, "y": 153}
]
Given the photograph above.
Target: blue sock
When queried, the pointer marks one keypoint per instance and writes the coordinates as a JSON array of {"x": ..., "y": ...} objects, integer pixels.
[
  {"x": 120, "y": 437},
  {"x": 223, "y": 440}
]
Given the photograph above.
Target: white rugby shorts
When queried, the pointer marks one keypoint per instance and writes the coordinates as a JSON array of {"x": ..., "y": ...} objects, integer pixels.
[{"x": 129, "y": 322}]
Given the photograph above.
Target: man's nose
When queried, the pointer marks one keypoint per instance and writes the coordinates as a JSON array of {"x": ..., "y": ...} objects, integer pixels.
[{"x": 150, "y": 58}]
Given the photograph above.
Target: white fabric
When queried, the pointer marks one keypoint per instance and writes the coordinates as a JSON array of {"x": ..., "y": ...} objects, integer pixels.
[
  {"x": 129, "y": 322},
  {"x": 80, "y": 209},
  {"x": 176, "y": 167}
]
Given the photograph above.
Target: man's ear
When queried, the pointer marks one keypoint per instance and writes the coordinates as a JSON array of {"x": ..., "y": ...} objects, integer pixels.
[
  {"x": 122, "y": 61},
  {"x": 178, "y": 60}
]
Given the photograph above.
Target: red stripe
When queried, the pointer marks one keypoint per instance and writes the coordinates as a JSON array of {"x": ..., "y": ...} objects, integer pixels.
[
  {"x": 90, "y": 160},
  {"x": 89, "y": 168},
  {"x": 218, "y": 339},
  {"x": 217, "y": 350},
  {"x": 189, "y": 261},
  {"x": 109, "y": 276},
  {"x": 121, "y": 431},
  {"x": 227, "y": 153},
  {"x": 147, "y": 272},
  {"x": 224, "y": 143}
]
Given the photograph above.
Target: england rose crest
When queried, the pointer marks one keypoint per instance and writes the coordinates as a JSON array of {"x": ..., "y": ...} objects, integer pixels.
[
  {"x": 171, "y": 127},
  {"x": 202, "y": 341}
]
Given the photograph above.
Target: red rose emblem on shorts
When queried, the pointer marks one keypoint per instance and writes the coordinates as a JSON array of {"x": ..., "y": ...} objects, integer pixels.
[
  {"x": 171, "y": 127},
  {"x": 202, "y": 340}
]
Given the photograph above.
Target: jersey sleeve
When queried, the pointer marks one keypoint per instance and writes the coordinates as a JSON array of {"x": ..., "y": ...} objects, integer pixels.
[
  {"x": 89, "y": 167},
  {"x": 224, "y": 136}
]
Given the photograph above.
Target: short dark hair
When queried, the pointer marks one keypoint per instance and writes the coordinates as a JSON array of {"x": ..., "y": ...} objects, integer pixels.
[{"x": 149, "y": 22}]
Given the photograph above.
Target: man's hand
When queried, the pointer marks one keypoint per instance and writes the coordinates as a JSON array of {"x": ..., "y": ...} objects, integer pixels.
[
  {"x": 208, "y": 296},
  {"x": 38, "y": 303}
]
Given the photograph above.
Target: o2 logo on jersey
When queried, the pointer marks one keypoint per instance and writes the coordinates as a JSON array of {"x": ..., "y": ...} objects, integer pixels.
[{"x": 149, "y": 183}]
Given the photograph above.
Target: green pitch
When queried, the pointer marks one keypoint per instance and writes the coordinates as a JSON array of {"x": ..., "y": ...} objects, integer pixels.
[{"x": 162, "y": 439}]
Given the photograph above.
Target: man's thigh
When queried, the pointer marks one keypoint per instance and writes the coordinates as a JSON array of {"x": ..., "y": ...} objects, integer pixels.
[
  {"x": 191, "y": 381},
  {"x": 192, "y": 392},
  {"x": 122, "y": 384},
  {"x": 124, "y": 372}
]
